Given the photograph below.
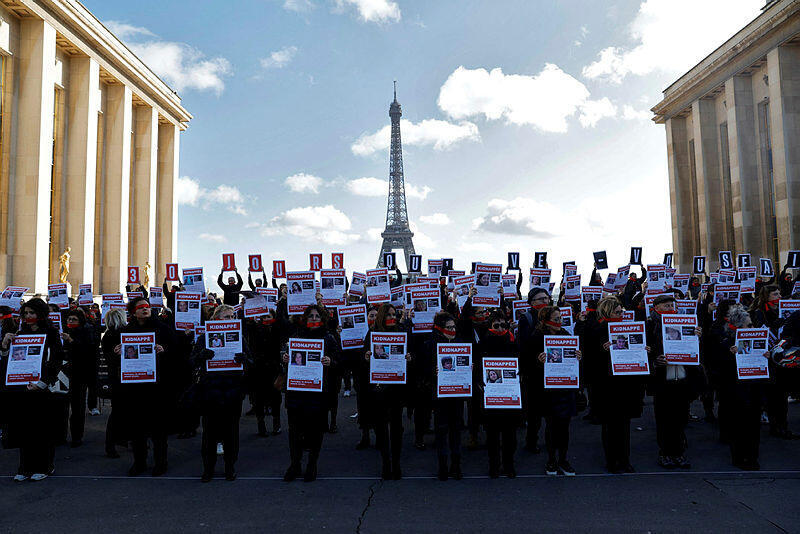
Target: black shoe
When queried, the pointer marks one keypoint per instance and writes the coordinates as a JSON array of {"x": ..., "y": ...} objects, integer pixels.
[
  {"x": 159, "y": 470},
  {"x": 551, "y": 468},
  {"x": 510, "y": 472},
  {"x": 230, "y": 474},
  {"x": 262, "y": 428},
  {"x": 292, "y": 473},
  {"x": 75, "y": 443},
  {"x": 455, "y": 469},
  {"x": 311, "y": 472},
  {"x": 137, "y": 469},
  {"x": 566, "y": 469},
  {"x": 112, "y": 454},
  {"x": 206, "y": 476}
]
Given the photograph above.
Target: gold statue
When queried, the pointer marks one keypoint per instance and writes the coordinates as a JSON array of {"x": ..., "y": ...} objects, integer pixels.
[
  {"x": 63, "y": 262},
  {"x": 146, "y": 275}
]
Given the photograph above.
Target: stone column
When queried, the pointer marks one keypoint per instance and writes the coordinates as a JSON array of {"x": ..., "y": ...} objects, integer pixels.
[
  {"x": 709, "y": 178},
  {"x": 117, "y": 188},
  {"x": 167, "y": 212},
  {"x": 680, "y": 193},
  {"x": 29, "y": 206},
  {"x": 143, "y": 225},
  {"x": 783, "y": 66},
  {"x": 742, "y": 142},
  {"x": 83, "y": 103}
]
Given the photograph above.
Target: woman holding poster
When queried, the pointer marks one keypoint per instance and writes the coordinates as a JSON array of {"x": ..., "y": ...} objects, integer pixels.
[
  {"x": 222, "y": 393},
  {"x": 264, "y": 335},
  {"x": 500, "y": 424},
  {"x": 557, "y": 405},
  {"x": 145, "y": 410},
  {"x": 739, "y": 400},
  {"x": 615, "y": 399},
  {"x": 361, "y": 383},
  {"x": 307, "y": 412},
  {"x": 32, "y": 417},
  {"x": 387, "y": 401},
  {"x": 81, "y": 369}
]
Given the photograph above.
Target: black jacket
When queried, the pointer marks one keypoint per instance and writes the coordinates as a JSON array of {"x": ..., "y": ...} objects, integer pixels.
[{"x": 231, "y": 291}]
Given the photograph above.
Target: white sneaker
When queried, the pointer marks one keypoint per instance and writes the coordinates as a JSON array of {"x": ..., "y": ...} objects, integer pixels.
[
  {"x": 20, "y": 478},
  {"x": 36, "y": 477},
  {"x": 220, "y": 450},
  {"x": 94, "y": 411},
  {"x": 347, "y": 393}
]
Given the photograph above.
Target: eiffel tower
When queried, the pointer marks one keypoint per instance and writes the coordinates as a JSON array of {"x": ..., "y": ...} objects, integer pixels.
[{"x": 397, "y": 234}]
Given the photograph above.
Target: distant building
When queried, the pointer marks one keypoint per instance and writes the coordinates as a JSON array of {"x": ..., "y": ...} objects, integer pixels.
[
  {"x": 733, "y": 144},
  {"x": 89, "y": 146}
]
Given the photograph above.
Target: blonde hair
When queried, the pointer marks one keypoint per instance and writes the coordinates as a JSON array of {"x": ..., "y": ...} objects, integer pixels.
[
  {"x": 606, "y": 306},
  {"x": 115, "y": 319},
  {"x": 219, "y": 309}
]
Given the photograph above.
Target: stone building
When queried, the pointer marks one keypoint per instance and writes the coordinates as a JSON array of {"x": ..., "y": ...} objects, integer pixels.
[
  {"x": 89, "y": 145},
  {"x": 733, "y": 144}
]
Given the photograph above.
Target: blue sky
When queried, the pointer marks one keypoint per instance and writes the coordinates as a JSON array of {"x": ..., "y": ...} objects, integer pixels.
[{"x": 529, "y": 124}]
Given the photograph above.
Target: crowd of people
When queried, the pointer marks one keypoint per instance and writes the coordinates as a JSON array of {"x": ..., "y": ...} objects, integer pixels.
[{"x": 38, "y": 416}]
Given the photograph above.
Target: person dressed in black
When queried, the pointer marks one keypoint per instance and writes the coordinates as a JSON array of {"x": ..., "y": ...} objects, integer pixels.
[
  {"x": 259, "y": 282},
  {"x": 557, "y": 405},
  {"x": 264, "y": 336},
  {"x": 532, "y": 374},
  {"x": 115, "y": 321},
  {"x": 221, "y": 394},
  {"x": 32, "y": 424},
  {"x": 144, "y": 411},
  {"x": 231, "y": 289},
  {"x": 673, "y": 386},
  {"x": 355, "y": 359},
  {"x": 81, "y": 369},
  {"x": 307, "y": 411},
  {"x": 500, "y": 424}
]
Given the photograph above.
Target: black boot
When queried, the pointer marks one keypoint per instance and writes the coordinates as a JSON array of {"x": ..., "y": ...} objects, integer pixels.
[
  {"x": 230, "y": 471},
  {"x": 443, "y": 468},
  {"x": 455, "y": 467},
  {"x": 262, "y": 427}
]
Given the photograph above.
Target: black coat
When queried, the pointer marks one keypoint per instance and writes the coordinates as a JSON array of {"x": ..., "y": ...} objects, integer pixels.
[
  {"x": 553, "y": 402},
  {"x": 80, "y": 354},
  {"x": 231, "y": 291},
  {"x": 695, "y": 378},
  {"x": 313, "y": 400},
  {"x": 219, "y": 391}
]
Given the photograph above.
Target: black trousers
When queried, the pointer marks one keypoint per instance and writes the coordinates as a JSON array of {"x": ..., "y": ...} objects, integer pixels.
[
  {"x": 77, "y": 404},
  {"x": 306, "y": 429},
  {"x": 389, "y": 433},
  {"x": 742, "y": 422},
  {"x": 36, "y": 457},
  {"x": 671, "y": 408},
  {"x": 616, "y": 432},
  {"x": 220, "y": 426},
  {"x": 501, "y": 430},
  {"x": 533, "y": 413},
  {"x": 333, "y": 400},
  {"x": 777, "y": 406},
  {"x": 267, "y": 396},
  {"x": 139, "y": 446},
  {"x": 423, "y": 406},
  {"x": 448, "y": 418},
  {"x": 556, "y": 437}
]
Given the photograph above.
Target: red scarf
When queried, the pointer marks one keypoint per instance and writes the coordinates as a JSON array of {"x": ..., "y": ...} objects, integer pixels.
[{"x": 444, "y": 331}]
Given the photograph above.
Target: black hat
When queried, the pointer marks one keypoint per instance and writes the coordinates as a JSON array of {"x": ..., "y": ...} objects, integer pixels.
[{"x": 661, "y": 299}]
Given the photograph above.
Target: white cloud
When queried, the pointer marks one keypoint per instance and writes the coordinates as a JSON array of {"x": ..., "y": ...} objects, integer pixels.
[
  {"x": 299, "y": 6},
  {"x": 521, "y": 216},
  {"x": 313, "y": 223},
  {"x": 183, "y": 66},
  {"x": 421, "y": 193},
  {"x": 214, "y": 238},
  {"x": 436, "y": 218},
  {"x": 441, "y": 134},
  {"x": 632, "y": 114},
  {"x": 544, "y": 101},
  {"x": 379, "y": 11},
  {"x": 303, "y": 183},
  {"x": 125, "y": 31},
  {"x": 374, "y": 234},
  {"x": 422, "y": 241},
  {"x": 190, "y": 192},
  {"x": 659, "y": 48},
  {"x": 279, "y": 58},
  {"x": 374, "y": 187}
]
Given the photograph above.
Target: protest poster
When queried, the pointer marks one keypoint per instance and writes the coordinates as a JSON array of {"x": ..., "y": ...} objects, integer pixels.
[
  {"x": 228, "y": 262},
  {"x": 572, "y": 286},
  {"x": 590, "y": 294},
  {"x": 699, "y": 264},
  {"x": 301, "y": 291},
  {"x": 387, "y": 361},
  {"x": 628, "y": 354},
  {"x": 751, "y": 348},
  {"x": 337, "y": 260},
  {"x": 787, "y": 307},
  {"x": 171, "y": 273},
  {"x": 255, "y": 306},
  {"x": 425, "y": 304},
  {"x": 358, "y": 285},
  {"x": 12, "y": 297},
  {"x": 193, "y": 280},
  {"x": 378, "y": 289},
  {"x": 540, "y": 278},
  {"x": 518, "y": 308},
  {"x": 681, "y": 282},
  {"x": 726, "y": 292},
  {"x": 353, "y": 320},
  {"x": 133, "y": 275},
  {"x": 58, "y": 294},
  {"x": 628, "y": 316},
  {"x": 796, "y": 288},
  {"x": 254, "y": 264},
  {"x": 681, "y": 343},
  {"x": 315, "y": 262},
  {"x": 435, "y": 268},
  {"x": 766, "y": 267},
  {"x": 414, "y": 263},
  {"x": 332, "y": 287},
  {"x": 408, "y": 288},
  {"x": 55, "y": 319},
  {"x": 462, "y": 285},
  {"x": 487, "y": 285},
  {"x": 656, "y": 277},
  {"x": 611, "y": 283},
  {"x": 513, "y": 261},
  {"x": 156, "y": 297},
  {"x": 561, "y": 369},
  {"x": 686, "y": 307},
  {"x": 725, "y": 259},
  {"x": 793, "y": 259},
  {"x": 636, "y": 256},
  {"x": 132, "y": 295},
  {"x": 270, "y": 295},
  {"x": 509, "y": 282},
  {"x": 25, "y": 356},
  {"x": 567, "y": 322},
  {"x": 279, "y": 269},
  {"x": 726, "y": 276},
  {"x": 106, "y": 303},
  {"x": 742, "y": 260},
  {"x": 668, "y": 260},
  {"x": 305, "y": 370},
  {"x": 390, "y": 260},
  {"x": 187, "y": 310},
  {"x": 224, "y": 338},
  {"x": 600, "y": 260},
  {"x": 650, "y": 298},
  {"x": 669, "y": 282},
  {"x": 569, "y": 268},
  {"x": 85, "y": 297},
  {"x": 137, "y": 361},
  {"x": 747, "y": 279},
  {"x": 398, "y": 299},
  {"x": 454, "y": 364},
  {"x": 540, "y": 260},
  {"x": 452, "y": 275},
  {"x": 623, "y": 274},
  {"x": 501, "y": 383}
]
